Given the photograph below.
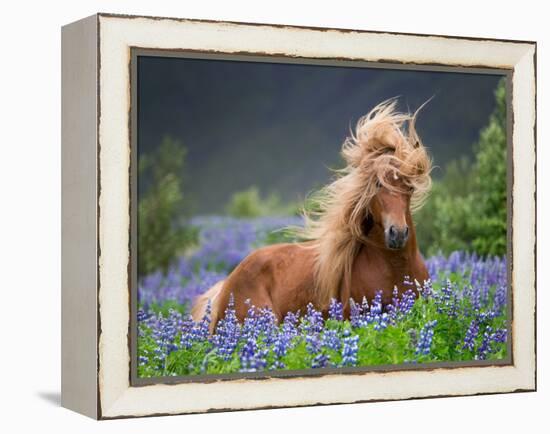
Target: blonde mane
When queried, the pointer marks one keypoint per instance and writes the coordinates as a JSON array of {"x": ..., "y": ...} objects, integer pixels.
[{"x": 385, "y": 144}]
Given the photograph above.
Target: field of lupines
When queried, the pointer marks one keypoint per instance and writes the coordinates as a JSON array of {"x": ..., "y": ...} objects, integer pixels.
[{"x": 459, "y": 315}]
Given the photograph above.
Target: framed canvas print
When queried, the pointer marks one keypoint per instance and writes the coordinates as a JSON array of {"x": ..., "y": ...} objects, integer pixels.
[{"x": 261, "y": 216}]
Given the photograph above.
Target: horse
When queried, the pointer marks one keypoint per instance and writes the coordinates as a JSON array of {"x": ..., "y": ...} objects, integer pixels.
[{"x": 359, "y": 239}]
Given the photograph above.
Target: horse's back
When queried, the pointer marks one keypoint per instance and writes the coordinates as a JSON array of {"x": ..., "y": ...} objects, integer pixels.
[{"x": 279, "y": 276}]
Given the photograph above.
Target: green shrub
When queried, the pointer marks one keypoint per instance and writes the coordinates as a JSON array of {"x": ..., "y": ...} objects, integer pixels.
[
  {"x": 244, "y": 204},
  {"x": 467, "y": 207},
  {"x": 250, "y": 204},
  {"x": 162, "y": 232},
  {"x": 489, "y": 183}
]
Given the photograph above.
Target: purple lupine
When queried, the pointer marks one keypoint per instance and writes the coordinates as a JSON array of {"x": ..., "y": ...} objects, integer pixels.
[
  {"x": 313, "y": 343},
  {"x": 335, "y": 310},
  {"x": 424, "y": 345},
  {"x": 356, "y": 314},
  {"x": 471, "y": 335},
  {"x": 312, "y": 321},
  {"x": 376, "y": 315},
  {"x": 142, "y": 315},
  {"x": 226, "y": 336},
  {"x": 350, "y": 348},
  {"x": 321, "y": 360},
  {"x": 381, "y": 321},
  {"x": 500, "y": 298},
  {"x": 249, "y": 329},
  {"x": 331, "y": 340},
  {"x": 407, "y": 281},
  {"x": 283, "y": 340},
  {"x": 376, "y": 304},
  {"x": 400, "y": 305},
  {"x": 393, "y": 308},
  {"x": 186, "y": 339},
  {"x": 281, "y": 344},
  {"x": 500, "y": 335},
  {"x": 407, "y": 301},
  {"x": 489, "y": 337},
  {"x": 446, "y": 299},
  {"x": 266, "y": 324},
  {"x": 426, "y": 289},
  {"x": 252, "y": 358},
  {"x": 290, "y": 324},
  {"x": 474, "y": 297},
  {"x": 277, "y": 364},
  {"x": 485, "y": 346},
  {"x": 200, "y": 331},
  {"x": 164, "y": 331}
]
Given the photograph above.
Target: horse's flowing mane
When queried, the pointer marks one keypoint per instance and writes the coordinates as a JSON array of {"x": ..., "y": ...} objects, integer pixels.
[{"x": 385, "y": 145}]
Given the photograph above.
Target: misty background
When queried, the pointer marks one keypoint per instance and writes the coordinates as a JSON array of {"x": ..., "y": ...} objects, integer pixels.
[{"x": 279, "y": 127}]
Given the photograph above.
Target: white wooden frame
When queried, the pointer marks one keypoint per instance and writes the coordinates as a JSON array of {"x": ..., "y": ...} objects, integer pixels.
[{"x": 96, "y": 219}]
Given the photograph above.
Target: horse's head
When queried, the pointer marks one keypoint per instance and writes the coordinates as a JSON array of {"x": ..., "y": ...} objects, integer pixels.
[
  {"x": 390, "y": 213},
  {"x": 387, "y": 176}
]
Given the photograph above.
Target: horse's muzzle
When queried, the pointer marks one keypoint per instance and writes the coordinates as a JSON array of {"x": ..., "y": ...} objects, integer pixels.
[{"x": 396, "y": 238}]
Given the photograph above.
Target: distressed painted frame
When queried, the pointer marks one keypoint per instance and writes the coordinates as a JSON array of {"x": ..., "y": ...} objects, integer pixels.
[
  {"x": 135, "y": 54},
  {"x": 96, "y": 180}
]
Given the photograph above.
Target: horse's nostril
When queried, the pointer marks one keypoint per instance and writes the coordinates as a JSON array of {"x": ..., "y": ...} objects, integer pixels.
[
  {"x": 406, "y": 231},
  {"x": 393, "y": 231}
]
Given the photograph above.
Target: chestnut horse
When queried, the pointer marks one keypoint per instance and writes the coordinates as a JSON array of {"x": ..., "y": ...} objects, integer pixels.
[{"x": 360, "y": 240}]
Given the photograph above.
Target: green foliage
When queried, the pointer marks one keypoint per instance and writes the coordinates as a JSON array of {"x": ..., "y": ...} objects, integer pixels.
[
  {"x": 489, "y": 179},
  {"x": 250, "y": 204},
  {"x": 162, "y": 235},
  {"x": 245, "y": 203},
  {"x": 467, "y": 207}
]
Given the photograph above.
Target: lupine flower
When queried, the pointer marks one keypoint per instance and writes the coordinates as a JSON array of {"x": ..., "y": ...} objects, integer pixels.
[
  {"x": 282, "y": 344},
  {"x": 500, "y": 298},
  {"x": 141, "y": 315},
  {"x": 335, "y": 310},
  {"x": 349, "y": 350},
  {"x": 321, "y": 360},
  {"x": 356, "y": 314},
  {"x": 227, "y": 333},
  {"x": 426, "y": 290},
  {"x": 266, "y": 325},
  {"x": 313, "y": 343},
  {"x": 424, "y": 345},
  {"x": 186, "y": 338},
  {"x": 331, "y": 340},
  {"x": 499, "y": 335},
  {"x": 252, "y": 358},
  {"x": 471, "y": 335},
  {"x": 249, "y": 329},
  {"x": 200, "y": 331},
  {"x": 312, "y": 322},
  {"x": 484, "y": 348},
  {"x": 277, "y": 364},
  {"x": 407, "y": 302}
]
